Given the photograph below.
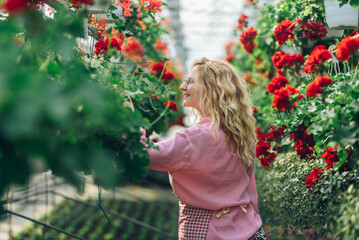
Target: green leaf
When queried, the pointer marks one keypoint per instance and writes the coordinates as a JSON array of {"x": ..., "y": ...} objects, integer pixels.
[
  {"x": 307, "y": 11},
  {"x": 342, "y": 159},
  {"x": 354, "y": 3}
]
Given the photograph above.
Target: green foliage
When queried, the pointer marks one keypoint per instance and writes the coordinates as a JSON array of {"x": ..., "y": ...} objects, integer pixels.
[
  {"x": 332, "y": 118},
  {"x": 58, "y": 110}
]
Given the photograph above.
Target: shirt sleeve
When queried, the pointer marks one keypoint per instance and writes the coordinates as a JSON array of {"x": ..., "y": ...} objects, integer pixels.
[{"x": 173, "y": 154}]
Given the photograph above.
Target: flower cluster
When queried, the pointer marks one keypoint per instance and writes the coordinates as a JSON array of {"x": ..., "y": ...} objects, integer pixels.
[
  {"x": 126, "y": 6},
  {"x": 313, "y": 177},
  {"x": 315, "y": 87},
  {"x": 133, "y": 49},
  {"x": 303, "y": 142},
  {"x": 330, "y": 157},
  {"x": 316, "y": 59},
  {"x": 263, "y": 153},
  {"x": 347, "y": 47},
  {"x": 20, "y": 6},
  {"x": 247, "y": 39},
  {"x": 313, "y": 30},
  {"x": 161, "y": 46},
  {"x": 276, "y": 84},
  {"x": 172, "y": 106},
  {"x": 282, "y": 60},
  {"x": 99, "y": 24},
  {"x": 101, "y": 46},
  {"x": 254, "y": 111},
  {"x": 281, "y": 99},
  {"x": 284, "y": 31},
  {"x": 242, "y": 21},
  {"x": 151, "y": 5},
  {"x": 77, "y": 3},
  {"x": 159, "y": 70}
]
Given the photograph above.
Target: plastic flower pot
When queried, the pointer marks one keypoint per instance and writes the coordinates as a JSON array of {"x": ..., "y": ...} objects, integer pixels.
[
  {"x": 332, "y": 33},
  {"x": 290, "y": 49},
  {"x": 345, "y": 17},
  {"x": 99, "y": 6}
]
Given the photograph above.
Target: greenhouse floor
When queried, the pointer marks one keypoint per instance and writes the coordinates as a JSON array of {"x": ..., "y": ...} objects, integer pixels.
[{"x": 36, "y": 204}]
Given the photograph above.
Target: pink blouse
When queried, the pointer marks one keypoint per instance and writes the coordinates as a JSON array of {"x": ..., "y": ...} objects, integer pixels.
[{"x": 203, "y": 173}]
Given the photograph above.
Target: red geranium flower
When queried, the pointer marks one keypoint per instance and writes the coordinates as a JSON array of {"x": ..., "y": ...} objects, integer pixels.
[
  {"x": 315, "y": 87},
  {"x": 281, "y": 99},
  {"x": 158, "y": 67},
  {"x": 247, "y": 38},
  {"x": 19, "y": 6},
  {"x": 276, "y": 84},
  {"x": 330, "y": 156},
  {"x": 168, "y": 76},
  {"x": 304, "y": 142},
  {"x": 313, "y": 177},
  {"x": 284, "y": 31},
  {"x": 161, "y": 46},
  {"x": 242, "y": 21},
  {"x": 102, "y": 45},
  {"x": 313, "y": 30},
  {"x": 172, "y": 105},
  {"x": 254, "y": 111},
  {"x": 152, "y": 5},
  {"x": 126, "y": 6},
  {"x": 316, "y": 59},
  {"x": 347, "y": 47},
  {"x": 229, "y": 58}
]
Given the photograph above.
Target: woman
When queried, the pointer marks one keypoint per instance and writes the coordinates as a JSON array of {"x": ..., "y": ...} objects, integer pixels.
[{"x": 211, "y": 164}]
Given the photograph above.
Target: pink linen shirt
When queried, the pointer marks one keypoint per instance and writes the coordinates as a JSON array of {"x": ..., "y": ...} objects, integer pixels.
[{"x": 203, "y": 173}]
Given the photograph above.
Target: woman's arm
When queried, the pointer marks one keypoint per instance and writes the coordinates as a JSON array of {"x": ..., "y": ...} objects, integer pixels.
[{"x": 172, "y": 155}]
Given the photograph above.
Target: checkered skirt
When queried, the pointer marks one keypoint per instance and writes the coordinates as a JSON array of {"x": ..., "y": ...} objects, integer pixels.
[{"x": 193, "y": 222}]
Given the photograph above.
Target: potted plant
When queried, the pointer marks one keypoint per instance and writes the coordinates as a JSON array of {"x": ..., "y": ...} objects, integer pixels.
[{"x": 340, "y": 17}]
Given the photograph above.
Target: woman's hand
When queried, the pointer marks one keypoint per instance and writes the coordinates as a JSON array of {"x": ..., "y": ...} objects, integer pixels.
[{"x": 129, "y": 103}]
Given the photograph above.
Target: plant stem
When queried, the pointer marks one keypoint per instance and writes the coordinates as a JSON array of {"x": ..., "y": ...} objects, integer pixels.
[
  {"x": 163, "y": 70},
  {"x": 161, "y": 115},
  {"x": 123, "y": 49}
]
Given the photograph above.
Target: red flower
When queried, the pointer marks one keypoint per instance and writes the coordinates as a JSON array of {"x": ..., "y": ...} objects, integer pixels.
[
  {"x": 242, "y": 21},
  {"x": 304, "y": 142},
  {"x": 347, "y": 47},
  {"x": 126, "y": 6},
  {"x": 168, "y": 76},
  {"x": 250, "y": 46},
  {"x": 267, "y": 160},
  {"x": 281, "y": 99},
  {"x": 313, "y": 177},
  {"x": 275, "y": 134},
  {"x": 284, "y": 31},
  {"x": 133, "y": 49},
  {"x": 254, "y": 111},
  {"x": 278, "y": 58},
  {"x": 154, "y": 96},
  {"x": 247, "y": 38},
  {"x": 316, "y": 59},
  {"x": 313, "y": 30},
  {"x": 262, "y": 148},
  {"x": 172, "y": 105},
  {"x": 102, "y": 45},
  {"x": 229, "y": 58},
  {"x": 15, "y": 6},
  {"x": 152, "y": 5},
  {"x": 276, "y": 84},
  {"x": 315, "y": 87},
  {"x": 161, "y": 46},
  {"x": 19, "y": 6},
  {"x": 330, "y": 156},
  {"x": 158, "y": 67}
]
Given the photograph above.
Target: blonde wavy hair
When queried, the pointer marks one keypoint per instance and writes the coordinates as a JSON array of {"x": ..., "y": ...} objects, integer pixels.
[{"x": 225, "y": 99}]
